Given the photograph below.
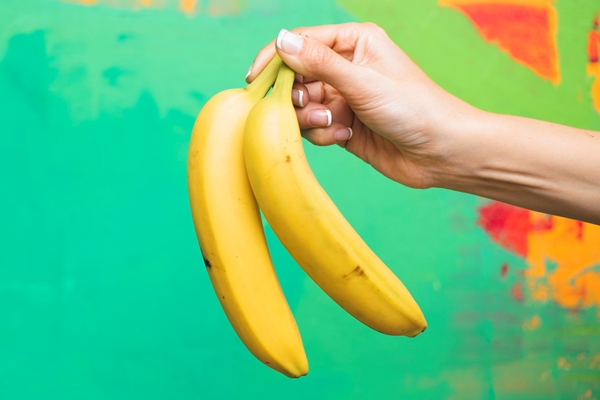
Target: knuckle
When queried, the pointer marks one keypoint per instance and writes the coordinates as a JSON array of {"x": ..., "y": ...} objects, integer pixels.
[
  {"x": 299, "y": 30},
  {"x": 315, "y": 136},
  {"x": 370, "y": 25},
  {"x": 319, "y": 57},
  {"x": 373, "y": 27},
  {"x": 356, "y": 28}
]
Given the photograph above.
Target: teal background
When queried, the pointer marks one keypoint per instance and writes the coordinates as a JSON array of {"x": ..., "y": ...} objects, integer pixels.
[{"x": 103, "y": 292}]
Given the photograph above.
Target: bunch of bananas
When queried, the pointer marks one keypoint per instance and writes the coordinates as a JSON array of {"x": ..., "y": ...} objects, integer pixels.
[{"x": 246, "y": 155}]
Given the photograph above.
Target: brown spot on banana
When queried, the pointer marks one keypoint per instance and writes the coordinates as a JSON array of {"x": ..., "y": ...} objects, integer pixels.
[{"x": 358, "y": 271}]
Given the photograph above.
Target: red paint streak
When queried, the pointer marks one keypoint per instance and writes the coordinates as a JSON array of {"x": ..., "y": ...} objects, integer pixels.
[
  {"x": 579, "y": 231},
  {"x": 517, "y": 292},
  {"x": 526, "y": 32},
  {"x": 593, "y": 44},
  {"x": 504, "y": 270},
  {"x": 507, "y": 225}
]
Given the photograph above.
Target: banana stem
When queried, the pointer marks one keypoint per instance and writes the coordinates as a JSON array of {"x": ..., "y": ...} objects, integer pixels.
[
  {"x": 285, "y": 81},
  {"x": 264, "y": 81}
]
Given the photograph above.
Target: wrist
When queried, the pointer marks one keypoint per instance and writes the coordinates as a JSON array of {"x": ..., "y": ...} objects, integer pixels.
[
  {"x": 524, "y": 162},
  {"x": 460, "y": 150}
]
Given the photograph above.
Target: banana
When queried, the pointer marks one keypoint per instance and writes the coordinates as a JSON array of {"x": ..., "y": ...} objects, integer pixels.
[
  {"x": 310, "y": 226},
  {"x": 230, "y": 231}
]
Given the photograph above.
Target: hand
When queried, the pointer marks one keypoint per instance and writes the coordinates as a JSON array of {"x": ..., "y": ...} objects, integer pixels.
[
  {"x": 355, "y": 87},
  {"x": 361, "y": 91}
]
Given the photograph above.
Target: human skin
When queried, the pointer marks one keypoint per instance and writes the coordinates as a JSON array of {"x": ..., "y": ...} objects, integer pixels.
[{"x": 356, "y": 88}]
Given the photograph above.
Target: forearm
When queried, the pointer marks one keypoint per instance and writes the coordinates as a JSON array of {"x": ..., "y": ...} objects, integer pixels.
[{"x": 528, "y": 163}]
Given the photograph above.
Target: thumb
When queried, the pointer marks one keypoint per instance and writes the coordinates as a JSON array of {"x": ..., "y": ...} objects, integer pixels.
[{"x": 313, "y": 59}]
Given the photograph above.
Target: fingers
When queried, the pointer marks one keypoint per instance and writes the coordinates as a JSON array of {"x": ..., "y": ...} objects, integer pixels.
[
  {"x": 325, "y": 106},
  {"x": 313, "y": 59},
  {"x": 314, "y": 116},
  {"x": 341, "y": 38},
  {"x": 322, "y": 58},
  {"x": 300, "y": 95},
  {"x": 260, "y": 62},
  {"x": 335, "y": 134},
  {"x": 316, "y": 119},
  {"x": 316, "y": 91},
  {"x": 313, "y": 92},
  {"x": 325, "y": 123}
]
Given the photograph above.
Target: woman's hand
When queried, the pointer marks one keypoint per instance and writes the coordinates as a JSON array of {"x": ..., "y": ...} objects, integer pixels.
[{"x": 356, "y": 88}]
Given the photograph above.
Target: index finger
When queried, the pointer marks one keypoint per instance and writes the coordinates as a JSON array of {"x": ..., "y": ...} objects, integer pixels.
[
  {"x": 341, "y": 38},
  {"x": 260, "y": 62}
]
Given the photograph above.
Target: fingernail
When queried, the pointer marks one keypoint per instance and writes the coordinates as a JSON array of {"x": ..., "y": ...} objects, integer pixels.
[
  {"x": 298, "y": 97},
  {"x": 288, "y": 42},
  {"x": 320, "y": 118},
  {"x": 343, "y": 134},
  {"x": 248, "y": 74}
]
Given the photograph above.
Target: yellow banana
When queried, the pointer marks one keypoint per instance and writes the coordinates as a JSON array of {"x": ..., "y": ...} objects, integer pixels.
[
  {"x": 309, "y": 225},
  {"x": 230, "y": 232}
]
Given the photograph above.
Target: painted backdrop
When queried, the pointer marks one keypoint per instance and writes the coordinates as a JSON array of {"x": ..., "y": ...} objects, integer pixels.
[{"x": 103, "y": 292}]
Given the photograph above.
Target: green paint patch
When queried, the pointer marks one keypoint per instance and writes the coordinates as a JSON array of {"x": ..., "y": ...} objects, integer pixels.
[{"x": 103, "y": 292}]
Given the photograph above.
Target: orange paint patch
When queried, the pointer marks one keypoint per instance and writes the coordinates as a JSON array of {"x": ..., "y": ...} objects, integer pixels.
[
  {"x": 526, "y": 30},
  {"x": 538, "y": 292},
  {"x": 213, "y": 8},
  {"x": 562, "y": 255},
  {"x": 188, "y": 6},
  {"x": 593, "y": 70},
  {"x": 533, "y": 323},
  {"x": 563, "y": 364},
  {"x": 224, "y": 7},
  {"x": 83, "y": 2},
  {"x": 593, "y": 66},
  {"x": 596, "y": 93},
  {"x": 574, "y": 249}
]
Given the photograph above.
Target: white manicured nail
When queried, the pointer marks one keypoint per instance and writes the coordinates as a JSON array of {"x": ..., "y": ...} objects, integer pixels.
[
  {"x": 248, "y": 74},
  {"x": 298, "y": 97},
  {"x": 343, "y": 134},
  {"x": 288, "y": 42},
  {"x": 320, "y": 118}
]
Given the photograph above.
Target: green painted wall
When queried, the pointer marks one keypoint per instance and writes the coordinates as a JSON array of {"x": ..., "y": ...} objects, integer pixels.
[{"x": 103, "y": 292}]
